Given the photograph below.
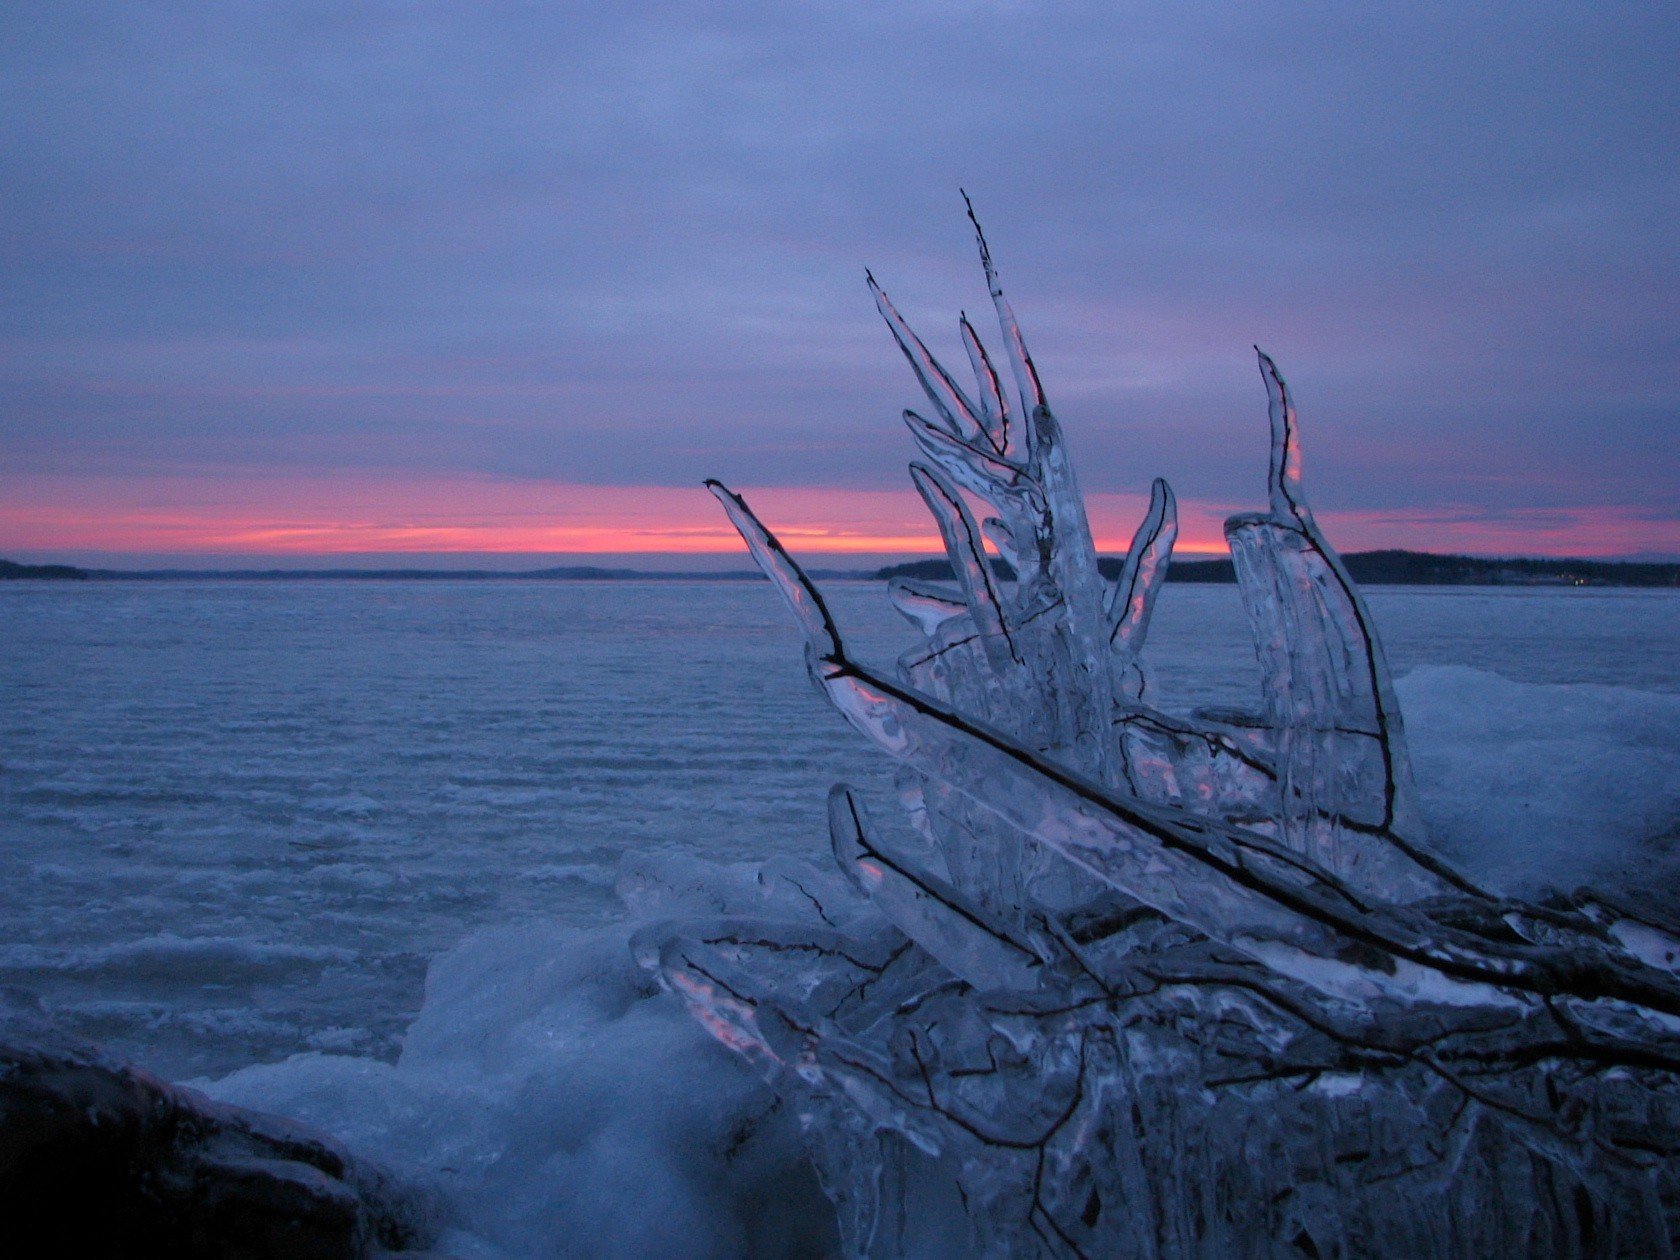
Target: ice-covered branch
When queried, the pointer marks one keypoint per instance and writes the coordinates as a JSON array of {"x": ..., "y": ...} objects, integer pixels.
[{"x": 1154, "y": 984}]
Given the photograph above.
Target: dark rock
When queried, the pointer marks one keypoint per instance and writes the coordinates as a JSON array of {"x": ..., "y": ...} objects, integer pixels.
[{"x": 100, "y": 1158}]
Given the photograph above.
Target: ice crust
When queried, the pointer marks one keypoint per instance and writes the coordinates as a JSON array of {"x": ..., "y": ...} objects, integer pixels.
[{"x": 1139, "y": 983}]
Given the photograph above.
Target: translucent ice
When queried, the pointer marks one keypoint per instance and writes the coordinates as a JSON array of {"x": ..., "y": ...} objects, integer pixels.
[{"x": 1150, "y": 985}]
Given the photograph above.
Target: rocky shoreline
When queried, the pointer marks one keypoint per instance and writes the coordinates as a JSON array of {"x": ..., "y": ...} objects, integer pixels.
[{"x": 100, "y": 1158}]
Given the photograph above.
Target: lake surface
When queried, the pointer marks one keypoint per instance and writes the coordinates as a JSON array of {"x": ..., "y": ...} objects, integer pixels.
[{"x": 237, "y": 819}]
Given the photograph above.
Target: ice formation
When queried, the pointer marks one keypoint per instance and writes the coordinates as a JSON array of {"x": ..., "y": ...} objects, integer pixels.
[{"x": 1142, "y": 984}]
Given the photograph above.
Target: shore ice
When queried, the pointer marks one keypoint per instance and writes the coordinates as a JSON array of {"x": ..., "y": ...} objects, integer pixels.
[{"x": 563, "y": 1107}]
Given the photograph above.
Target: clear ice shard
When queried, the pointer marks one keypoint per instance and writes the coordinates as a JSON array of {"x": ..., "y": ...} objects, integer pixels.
[{"x": 1147, "y": 985}]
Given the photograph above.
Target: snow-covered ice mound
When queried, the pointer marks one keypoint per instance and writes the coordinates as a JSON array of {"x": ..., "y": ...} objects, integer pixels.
[{"x": 564, "y": 1107}]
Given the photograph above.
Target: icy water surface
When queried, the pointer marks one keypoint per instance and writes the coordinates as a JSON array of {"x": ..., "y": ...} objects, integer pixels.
[{"x": 237, "y": 819}]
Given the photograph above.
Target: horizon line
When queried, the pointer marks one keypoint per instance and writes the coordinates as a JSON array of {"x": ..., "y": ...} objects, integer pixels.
[{"x": 528, "y": 563}]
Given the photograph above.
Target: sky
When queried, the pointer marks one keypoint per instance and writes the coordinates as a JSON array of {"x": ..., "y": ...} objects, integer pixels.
[{"x": 501, "y": 283}]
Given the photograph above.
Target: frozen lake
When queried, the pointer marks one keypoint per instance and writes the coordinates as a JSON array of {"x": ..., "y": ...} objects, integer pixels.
[{"x": 238, "y": 819}]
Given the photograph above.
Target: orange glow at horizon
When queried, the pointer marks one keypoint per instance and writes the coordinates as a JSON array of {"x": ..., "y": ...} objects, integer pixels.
[{"x": 325, "y": 516}]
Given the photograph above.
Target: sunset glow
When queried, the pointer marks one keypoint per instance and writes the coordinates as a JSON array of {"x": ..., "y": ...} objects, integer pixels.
[
  {"x": 326, "y": 517},
  {"x": 67, "y": 517},
  {"x": 284, "y": 292}
]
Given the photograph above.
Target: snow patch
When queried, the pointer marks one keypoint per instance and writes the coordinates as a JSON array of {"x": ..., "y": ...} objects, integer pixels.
[{"x": 1536, "y": 787}]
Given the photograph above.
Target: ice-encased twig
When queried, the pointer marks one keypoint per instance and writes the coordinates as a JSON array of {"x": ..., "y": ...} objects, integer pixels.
[
  {"x": 1132, "y": 598},
  {"x": 1328, "y": 693},
  {"x": 1155, "y": 984},
  {"x": 962, "y": 935},
  {"x": 1233, "y": 885},
  {"x": 927, "y": 607}
]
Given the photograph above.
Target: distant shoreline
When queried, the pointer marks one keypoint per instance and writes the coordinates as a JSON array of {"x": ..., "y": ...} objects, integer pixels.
[
  {"x": 566, "y": 573},
  {"x": 1393, "y": 568},
  {"x": 1372, "y": 568}
]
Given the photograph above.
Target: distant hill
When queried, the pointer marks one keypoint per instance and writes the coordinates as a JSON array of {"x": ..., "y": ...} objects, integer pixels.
[
  {"x": 60, "y": 572},
  {"x": 1385, "y": 568}
]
